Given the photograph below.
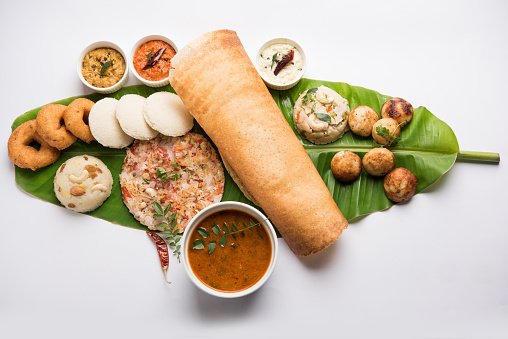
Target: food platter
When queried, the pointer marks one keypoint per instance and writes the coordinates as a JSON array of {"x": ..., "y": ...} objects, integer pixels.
[
  {"x": 428, "y": 147},
  {"x": 432, "y": 267},
  {"x": 298, "y": 144}
]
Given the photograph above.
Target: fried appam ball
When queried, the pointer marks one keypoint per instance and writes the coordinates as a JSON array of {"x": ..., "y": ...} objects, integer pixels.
[
  {"x": 378, "y": 161},
  {"x": 346, "y": 166},
  {"x": 386, "y": 131},
  {"x": 399, "y": 109},
  {"x": 400, "y": 185},
  {"x": 361, "y": 120}
]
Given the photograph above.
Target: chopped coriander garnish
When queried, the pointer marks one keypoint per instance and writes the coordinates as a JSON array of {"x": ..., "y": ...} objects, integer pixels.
[
  {"x": 385, "y": 133},
  {"x": 161, "y": 173},
  {"x": 175, "y": 176}
]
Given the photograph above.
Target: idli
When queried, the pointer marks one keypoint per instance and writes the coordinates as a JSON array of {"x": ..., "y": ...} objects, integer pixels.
[
  {"x": 129, "y": 113},
  {"x": 104, "y": 125},
  {"x": 166, "y": 113}
]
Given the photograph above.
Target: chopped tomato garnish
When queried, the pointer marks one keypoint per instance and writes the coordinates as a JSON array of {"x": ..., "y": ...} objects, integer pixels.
[{"x": 126, "y": 193}]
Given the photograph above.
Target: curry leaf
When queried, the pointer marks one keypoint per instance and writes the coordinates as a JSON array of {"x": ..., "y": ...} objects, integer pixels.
[
  {"x": 211, "y": 247},
  {"x": 158, "y": 208},
  {"x": 198, "y": 245},
  {"x": 216, "y": 229},
  {"x": 324, "y": 117},
  {"x": 203, "y": 232},
  {"x": 223, "y": 240},
  {"x": 105, "y": 67}
]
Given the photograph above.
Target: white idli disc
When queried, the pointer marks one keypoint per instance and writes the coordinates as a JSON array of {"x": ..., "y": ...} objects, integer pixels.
[
  {"x": 104, "y": 125},
  {"x": 129, "y": 113},
  {"x": 166, "y": 113}
]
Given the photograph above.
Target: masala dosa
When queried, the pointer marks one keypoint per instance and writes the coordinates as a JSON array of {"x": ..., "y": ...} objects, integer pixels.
[{"x": 220, "y": 86}]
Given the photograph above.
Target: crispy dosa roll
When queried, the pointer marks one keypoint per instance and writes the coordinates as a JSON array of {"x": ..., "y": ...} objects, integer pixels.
[{"x": 220, "y": 86}]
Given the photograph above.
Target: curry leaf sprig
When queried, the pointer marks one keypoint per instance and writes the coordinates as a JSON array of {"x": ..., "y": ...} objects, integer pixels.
[
  {"x": 167, "y": 221},
  {"x": 223, "y": 232}
]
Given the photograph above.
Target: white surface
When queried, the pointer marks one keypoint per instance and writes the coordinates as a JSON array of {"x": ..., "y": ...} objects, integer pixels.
[{"x": 436, "y": 267}]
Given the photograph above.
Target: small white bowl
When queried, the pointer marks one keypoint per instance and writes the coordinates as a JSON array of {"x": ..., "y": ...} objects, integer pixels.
[
  {"x": 267, "y": 81},
  {"x": 223, "y": 206},
  {"x": 151, "y": 83},
  {"x": 116, "y": 86}
]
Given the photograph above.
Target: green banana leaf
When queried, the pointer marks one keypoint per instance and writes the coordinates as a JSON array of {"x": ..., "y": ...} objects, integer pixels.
[{"x": 428, "y": 147}]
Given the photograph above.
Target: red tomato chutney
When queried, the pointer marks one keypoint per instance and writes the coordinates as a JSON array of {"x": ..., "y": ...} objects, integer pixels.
[
  {"x": 235, "y": 264},
  {"x": 157, "y": 70}
]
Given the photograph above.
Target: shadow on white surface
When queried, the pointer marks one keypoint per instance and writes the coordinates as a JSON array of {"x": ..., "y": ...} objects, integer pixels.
[
  {"x": 323, "y": 259},
  {"x": 212, "y": 308}
]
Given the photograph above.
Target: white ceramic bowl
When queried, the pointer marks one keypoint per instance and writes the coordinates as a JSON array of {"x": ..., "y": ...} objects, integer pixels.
[
  {"x": 267, "y": 81},
  {"x": 223, "y": 206},
  {"x": 120, "y": 83},
  {"x": 151, "y": 83}
]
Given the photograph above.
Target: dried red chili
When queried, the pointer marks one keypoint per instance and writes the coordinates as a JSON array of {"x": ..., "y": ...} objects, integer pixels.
[
  {"x": 153, "y": 60},
  {"x": 162, "y": 250},
  {"x": 286, "y": 59}
]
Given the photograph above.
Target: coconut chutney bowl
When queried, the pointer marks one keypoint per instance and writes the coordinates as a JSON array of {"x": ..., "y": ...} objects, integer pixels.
[{"x": 281, "y": 63}]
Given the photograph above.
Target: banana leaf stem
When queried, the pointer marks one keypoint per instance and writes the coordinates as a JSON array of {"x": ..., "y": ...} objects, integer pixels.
[{"x": 485, "y": 157}]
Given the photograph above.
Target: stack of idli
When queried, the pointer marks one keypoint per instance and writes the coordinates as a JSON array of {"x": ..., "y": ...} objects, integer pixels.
[{"x": 116, "y": 123}]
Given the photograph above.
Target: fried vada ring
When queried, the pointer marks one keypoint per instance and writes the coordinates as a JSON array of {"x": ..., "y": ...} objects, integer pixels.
[
  {"x": 76, "y": 118},
  {"x": 23, "y": 155},
  {"x": 51, "y": 129}
]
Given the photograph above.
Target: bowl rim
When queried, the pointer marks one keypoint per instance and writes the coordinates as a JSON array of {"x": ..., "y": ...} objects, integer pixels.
[
  {"x": 281, "y": 40},
  {"x": 221, "y": 206},
  {"x": 151, "y": 83}
]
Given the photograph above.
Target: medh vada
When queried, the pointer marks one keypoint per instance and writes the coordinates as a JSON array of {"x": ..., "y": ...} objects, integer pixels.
[
  {"x": 76, "y": 119},
  {"x": 23, "y": 154},
  {"x": 51, "y": 128}
]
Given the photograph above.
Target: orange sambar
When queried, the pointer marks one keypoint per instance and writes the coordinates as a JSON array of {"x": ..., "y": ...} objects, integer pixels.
[
  {"x": 238, "y": 265},
  {"x": 158, "y": 71}
]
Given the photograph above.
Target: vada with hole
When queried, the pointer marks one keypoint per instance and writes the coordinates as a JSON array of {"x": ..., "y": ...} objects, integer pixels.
[
  {"x": 51, "y": 128},
  {"x": 76, "y": 119},
  {"x": 24, "y": 152}
]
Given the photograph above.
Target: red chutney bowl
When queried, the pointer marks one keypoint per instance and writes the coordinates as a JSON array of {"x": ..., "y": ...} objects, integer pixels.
[{"x": 151, "y": 59}]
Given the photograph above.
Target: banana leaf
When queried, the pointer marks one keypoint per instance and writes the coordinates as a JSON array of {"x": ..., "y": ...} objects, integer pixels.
[{"x": 428, "y": 147}]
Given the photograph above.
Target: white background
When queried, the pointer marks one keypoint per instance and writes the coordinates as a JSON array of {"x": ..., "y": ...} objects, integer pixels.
[{"x": 434, "y": 268}]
